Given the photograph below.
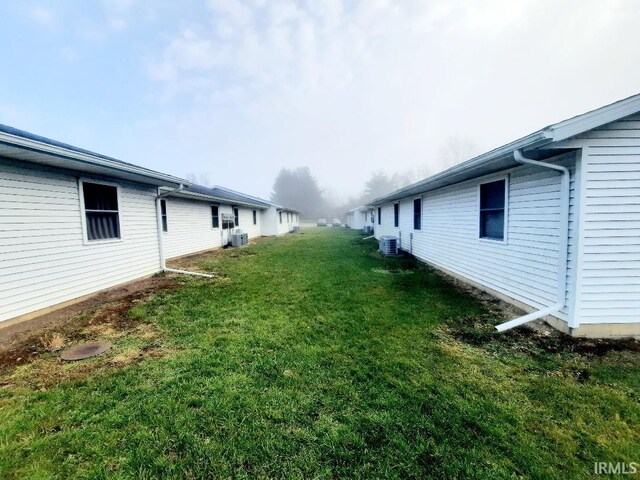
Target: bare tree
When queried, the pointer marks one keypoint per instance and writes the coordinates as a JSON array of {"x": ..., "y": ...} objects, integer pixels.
[{"x": 456, "y": 149}]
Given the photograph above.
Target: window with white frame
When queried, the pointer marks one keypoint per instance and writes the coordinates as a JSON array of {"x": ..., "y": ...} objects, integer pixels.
[
  {"x": 215, "y": 216},
  {"x": 396, "y": 214},
  {"x": 417, "y": 214},
  {"x": 101, "y": 211},
  {"x": 163, "y": 212},
  {"x": 280, "y": 216},
  {"x": 492, "y": 209},
  {"x": 255, "y": 217},
  {"x": 236, "y": 216},
  {"x": 379, "y": 216}
]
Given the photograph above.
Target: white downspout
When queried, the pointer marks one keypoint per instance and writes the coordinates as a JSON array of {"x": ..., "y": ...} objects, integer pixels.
[
  {"x": 563, "y": 244},
  {"x": 163, "y": 264}
]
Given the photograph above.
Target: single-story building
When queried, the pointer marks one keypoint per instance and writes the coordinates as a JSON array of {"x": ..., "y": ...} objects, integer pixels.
[
  {"x": 277, "y": 219},
  {"x": 74, "y": 222},
  {"x": 549, "y": 222},
  {"x": 359, "y": 217}
]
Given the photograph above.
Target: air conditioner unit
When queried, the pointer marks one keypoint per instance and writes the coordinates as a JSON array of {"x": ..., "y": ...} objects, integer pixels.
[
  {"x": 239, "y": 239},
  {"x": 389, "y": 245},
  {"x": 367, "y": 229},
  {"x": 296, "y": 229}
]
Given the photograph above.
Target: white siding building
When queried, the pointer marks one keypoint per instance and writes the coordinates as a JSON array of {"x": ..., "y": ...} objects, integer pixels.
[
  {"x": 357, "y": 218},
  {"x": 505, "y": 221},
  {"x": 73, "y": 222},
  {"x": 276, "y": 219}
]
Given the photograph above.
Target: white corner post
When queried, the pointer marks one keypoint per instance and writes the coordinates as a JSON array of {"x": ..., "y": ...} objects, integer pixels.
[
  {"x": 163, "y": 265},
  {"x": 563, "y": 244}
]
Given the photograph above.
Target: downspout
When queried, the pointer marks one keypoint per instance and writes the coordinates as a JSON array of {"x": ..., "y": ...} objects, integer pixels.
[
  {"x": 163, "y": 264},
  {"x": 563, "y": 244}
]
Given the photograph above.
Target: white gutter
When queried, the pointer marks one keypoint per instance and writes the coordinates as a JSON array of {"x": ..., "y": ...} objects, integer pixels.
[
  {"x": 563, "y": 244},
  {"x": 163, "y": 264}
]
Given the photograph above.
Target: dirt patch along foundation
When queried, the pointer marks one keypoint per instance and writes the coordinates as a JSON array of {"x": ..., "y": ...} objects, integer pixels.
[
  {"x": 114, "y": 301},
  {"x": 29, "y": 355}
]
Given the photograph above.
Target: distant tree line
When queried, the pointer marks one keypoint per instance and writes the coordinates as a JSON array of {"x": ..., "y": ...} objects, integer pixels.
[{"x": 298, "y": 188}]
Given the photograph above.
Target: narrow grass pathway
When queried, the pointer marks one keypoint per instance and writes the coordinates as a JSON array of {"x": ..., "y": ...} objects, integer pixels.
[{"x": 307, "y": 359}]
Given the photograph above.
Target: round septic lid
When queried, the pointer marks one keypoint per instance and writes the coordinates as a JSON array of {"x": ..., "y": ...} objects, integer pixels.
[{"x": 86, "y": 350}]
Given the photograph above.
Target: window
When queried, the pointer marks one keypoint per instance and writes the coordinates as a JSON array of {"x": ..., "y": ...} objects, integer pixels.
[
  {"x": 417, "y": 214},
  {"x": 492, "y": 206},
  {"x": 236, "y": 217},
  {"x": 372, "y": 220},
  {"x": 215, "y": 217},
  {"x": 396, "y": 214},
  {"x": 280, "y": 216},
  {"x": 163, "y": 208},
  {"x": 255, "y": 217},
  {"x": 379, "y": 216},
  {"x": 102, "y": 218}
]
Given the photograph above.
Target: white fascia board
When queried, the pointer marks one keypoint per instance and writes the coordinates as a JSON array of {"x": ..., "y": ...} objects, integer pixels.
[
  {"x": 60, "y": 152},
  {"x": 595, "y": 118}
]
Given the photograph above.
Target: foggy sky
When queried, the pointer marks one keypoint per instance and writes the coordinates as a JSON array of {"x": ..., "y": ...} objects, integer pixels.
[{"x": 234, "y": 90}]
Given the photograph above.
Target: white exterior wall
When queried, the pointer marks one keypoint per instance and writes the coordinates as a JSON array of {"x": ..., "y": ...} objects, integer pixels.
[
  {"x": 246, "y": 221},
  {"x": 44, "y": 259},
  {"x": 358, "y": 219},
  {"x": 608, "y": 282},
  {"x": 189, "y": 227},
  {"x": 271, "y": 222},
  {"x": 525, "y": 266}
]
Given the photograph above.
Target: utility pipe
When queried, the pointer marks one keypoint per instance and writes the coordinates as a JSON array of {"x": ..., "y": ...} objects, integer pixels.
[
  {"x": 563, "y": 243},
  {"x": 163, "y": 264}
]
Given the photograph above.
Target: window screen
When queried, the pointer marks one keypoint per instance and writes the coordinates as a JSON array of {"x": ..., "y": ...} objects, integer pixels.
[
  {"x": 492, "y": 202},
  {"x": 163, "y": 208},
  {"x": 215, "y": 216},
  {"x": 417, "y": 214},
  {"x": 101, "y": 211},
  {"x": 396, "y": 214}
]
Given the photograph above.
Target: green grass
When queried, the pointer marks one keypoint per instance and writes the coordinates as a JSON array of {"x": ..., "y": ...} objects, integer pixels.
[{"x": 307, "y": 360}]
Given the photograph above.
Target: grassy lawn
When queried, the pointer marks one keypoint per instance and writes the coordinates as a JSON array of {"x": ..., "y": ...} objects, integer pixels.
[{"x": 311, "y": 356}]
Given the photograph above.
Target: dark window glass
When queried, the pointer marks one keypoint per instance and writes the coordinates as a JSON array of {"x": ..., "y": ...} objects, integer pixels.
[
  {"x": 417, "y": 214},
  {"x": 101, "y": 211},
  {"x": 396, "y": 214},
  {"x": 215, "y": 216},
  {"x": 255, "y": 217},
  {"x": 236, "y": 216},
  {"x": 492, "y": 203},
  {"x": 280, "y": 215},
  {"x": 163, "y": 208},
  {"x": 379, "y": 216}
]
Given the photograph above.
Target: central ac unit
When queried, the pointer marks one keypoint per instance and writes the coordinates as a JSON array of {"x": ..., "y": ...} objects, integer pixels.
[
  {"x": 238, "y": 239},
  {"x": 296, "y": 229},
  {"x": 367, "y": 229},
  {"x": 389, "y": 245}
]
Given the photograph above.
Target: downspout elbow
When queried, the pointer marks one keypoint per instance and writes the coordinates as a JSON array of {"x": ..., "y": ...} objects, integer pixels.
[{"x": 563, "y": 243}]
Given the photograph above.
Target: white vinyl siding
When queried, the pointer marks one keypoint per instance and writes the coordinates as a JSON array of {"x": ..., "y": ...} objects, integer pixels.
[
  {"x": 271, "y": 224},
  {"x": 246, "y": 222},
  {"x": 608, "y": 285},
  {"x": 191, "y": 227},
  {"x": 44, "y": 259},
  {"x": 525, "y": 266}
]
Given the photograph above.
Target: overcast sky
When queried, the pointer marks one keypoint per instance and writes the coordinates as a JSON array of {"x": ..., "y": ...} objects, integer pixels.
[{"x": 233, "y": 90}]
